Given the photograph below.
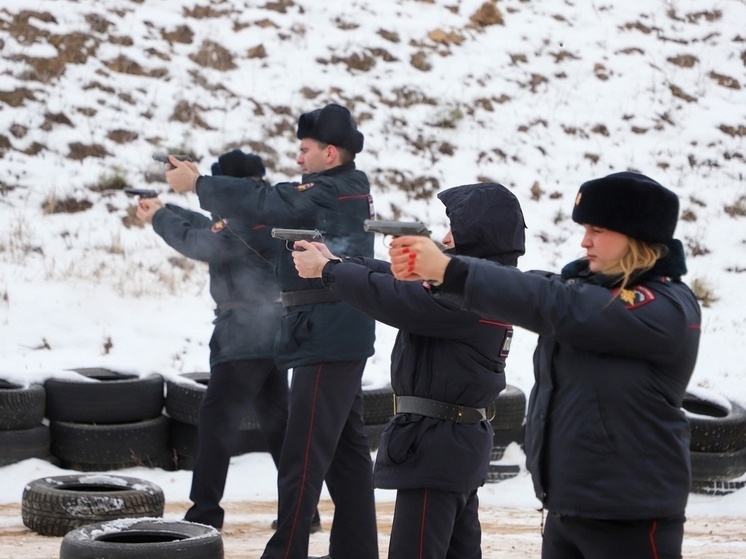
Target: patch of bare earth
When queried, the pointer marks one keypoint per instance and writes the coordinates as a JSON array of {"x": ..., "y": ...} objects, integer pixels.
[{"x": 506, "y": 533}]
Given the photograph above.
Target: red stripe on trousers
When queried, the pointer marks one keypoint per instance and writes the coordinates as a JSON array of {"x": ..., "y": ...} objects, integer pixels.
[{"x": 652, "y": 539}]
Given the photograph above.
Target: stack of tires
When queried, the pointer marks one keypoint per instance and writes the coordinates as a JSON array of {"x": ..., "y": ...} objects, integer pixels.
[
  {"x": 508, "y": 413},
  {"x": 183, "y": 398},
  {"x": 22, "y": 433},
  {"x": 107, "y": 420},
  {"x": 718, "y": 442}
]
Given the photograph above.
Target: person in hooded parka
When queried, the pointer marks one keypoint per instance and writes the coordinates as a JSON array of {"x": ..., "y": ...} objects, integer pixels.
[{"x": 447, "y": 367}]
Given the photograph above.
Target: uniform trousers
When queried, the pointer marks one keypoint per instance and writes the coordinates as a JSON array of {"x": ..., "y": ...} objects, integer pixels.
[
  {"x": 326, "y": 441},
  {"x": 571, "y": 537},
  {"x": 435, "y": 524},
  {"x": 231, "y": 390}
]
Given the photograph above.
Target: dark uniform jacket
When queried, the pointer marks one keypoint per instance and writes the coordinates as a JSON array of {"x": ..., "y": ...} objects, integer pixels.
[
  {"x": 336, "y": 202},
  {"x": 605, "y": 436},
  {"x": 242, "y": 281},
  {"x": 441, "y": 352}
]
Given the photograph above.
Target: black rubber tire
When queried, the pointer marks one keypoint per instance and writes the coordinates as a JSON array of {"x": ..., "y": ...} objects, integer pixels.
[
  {"x": 22, "y": 444},
  {"x": 53, "y": 506},
  {"x": 374, "y": 435},
  {"x": 501, "y": 472},
  {"x": 183, "y": 400},
  {"x": 110, "y": 446},
  {"x": 509, "y": 409},
  {"x": 505, "y": 437},
  {"x": 104, "y": 396},
  {"x": 715, "y": 427},
  {"x": 378, "y": 405},
  {"x": 21, "y": 407},
  {"x": 717, "y": 488},
  {"x": 143, "y": 539},
  {"x": 182, "y": 442},
  {"x": 718, "y": 466}
]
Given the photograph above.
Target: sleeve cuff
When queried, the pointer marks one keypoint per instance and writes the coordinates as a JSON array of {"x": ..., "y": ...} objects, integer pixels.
[
  {"x": 327, "y": 273},
  {"x": 454, "y": 279}
]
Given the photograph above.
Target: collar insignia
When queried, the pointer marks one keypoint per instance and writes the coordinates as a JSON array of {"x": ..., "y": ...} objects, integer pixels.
[
  {"x": 218, "y": 226},
  {"x": 304, "y": 187},
  {"x": 636, "y": 297}
]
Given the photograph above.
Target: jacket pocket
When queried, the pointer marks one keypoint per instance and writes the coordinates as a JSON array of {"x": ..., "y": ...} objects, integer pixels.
[
  {"x": 294, "y": 331},
  {"x": 400, "y": 441}
]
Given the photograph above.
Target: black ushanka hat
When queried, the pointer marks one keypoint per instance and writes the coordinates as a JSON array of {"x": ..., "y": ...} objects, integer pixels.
[
  {"x": 628, "y": 203},
  {"x": 333, "y": 125},
  {"x": 236, "y": 163}
]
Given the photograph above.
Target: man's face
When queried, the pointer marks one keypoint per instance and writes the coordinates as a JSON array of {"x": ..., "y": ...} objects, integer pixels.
[{"x": 314, "y": 156}]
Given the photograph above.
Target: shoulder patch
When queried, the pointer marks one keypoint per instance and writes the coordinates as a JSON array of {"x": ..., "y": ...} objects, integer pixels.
[
  {"x": 636, "y": 297},
  {"x": 304, "y": 187},
  {"x": 218, "y": 226}
]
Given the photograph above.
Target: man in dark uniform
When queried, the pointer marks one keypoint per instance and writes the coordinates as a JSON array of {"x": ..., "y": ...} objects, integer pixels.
[
  {"x": 241, "y": 258},
  {"x": 324, "y": 340},
  {"x": 447, "y": 366}
]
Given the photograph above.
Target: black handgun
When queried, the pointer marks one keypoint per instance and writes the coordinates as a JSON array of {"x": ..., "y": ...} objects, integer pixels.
[
  {"x": 292, "y": 235},
  {"x": 141, "y": 192},
  {"x": 396, "y": 228},
  {"x": 163, "y": 157}
]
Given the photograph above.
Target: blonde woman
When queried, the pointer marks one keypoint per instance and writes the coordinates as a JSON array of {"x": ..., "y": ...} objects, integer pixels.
[{"x": 607, "y": 443}]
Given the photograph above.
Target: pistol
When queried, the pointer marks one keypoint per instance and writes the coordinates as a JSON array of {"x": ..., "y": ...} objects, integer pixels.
[
  {"x": 396, "y": 228},
  {"x": 163, "y": 157},
  {"x": 141, "y": 192},
  {"x": 292, "y": 235}
]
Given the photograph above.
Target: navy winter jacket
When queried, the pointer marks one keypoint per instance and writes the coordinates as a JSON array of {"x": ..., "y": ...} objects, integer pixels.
[
  {"x": 336, "y": 202},
  {"x": 242, "y": 281},
  {"x": 606, "y": 436}
]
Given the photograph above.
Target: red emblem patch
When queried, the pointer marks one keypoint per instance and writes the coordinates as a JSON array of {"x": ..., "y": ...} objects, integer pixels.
[{"x": 304, "y": 187}]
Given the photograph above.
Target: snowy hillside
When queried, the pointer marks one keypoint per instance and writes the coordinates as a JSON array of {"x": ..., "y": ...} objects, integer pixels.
[{"x": 538, "y": 95}]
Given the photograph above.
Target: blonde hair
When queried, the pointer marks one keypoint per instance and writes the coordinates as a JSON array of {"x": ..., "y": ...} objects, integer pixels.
[{"x": 640, "y": 257}]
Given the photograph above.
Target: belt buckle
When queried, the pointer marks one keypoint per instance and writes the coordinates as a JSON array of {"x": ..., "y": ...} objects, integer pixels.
[
  {"x": 459, "y": 413},
  {"x": 394, "y": 398}
]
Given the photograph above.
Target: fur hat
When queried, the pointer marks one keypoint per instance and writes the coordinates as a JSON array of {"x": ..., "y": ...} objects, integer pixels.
[
  {"x": 628, "y": 203},
  {"x": 236, "y": 163},
  {"x": 332, "y": 124}
]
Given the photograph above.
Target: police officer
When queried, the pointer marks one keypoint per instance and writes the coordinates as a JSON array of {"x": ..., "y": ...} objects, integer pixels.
[
  {"x": 607, "y": 442},
  {"x": 323, "y": 340},
  {"x": 241, "y": 258},
  {"x": 447, "y": 366}
]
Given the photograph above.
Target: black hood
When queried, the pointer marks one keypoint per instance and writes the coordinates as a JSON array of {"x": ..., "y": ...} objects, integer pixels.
[{"x": 486, "y": 222}]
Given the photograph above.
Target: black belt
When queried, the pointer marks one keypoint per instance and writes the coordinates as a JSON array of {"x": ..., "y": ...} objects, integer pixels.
[
  {"x": 438, "y": 410},
  {"x": 308, "y": 297}
]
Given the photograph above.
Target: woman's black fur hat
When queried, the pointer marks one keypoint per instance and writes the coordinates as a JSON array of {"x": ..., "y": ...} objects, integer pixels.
[
  {"x": 333, "y": 125},
  {"x": 628, "y": 203}
]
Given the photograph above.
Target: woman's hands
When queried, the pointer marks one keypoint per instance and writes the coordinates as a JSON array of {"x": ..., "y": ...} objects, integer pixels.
[{"x": 417, "y": 258}]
